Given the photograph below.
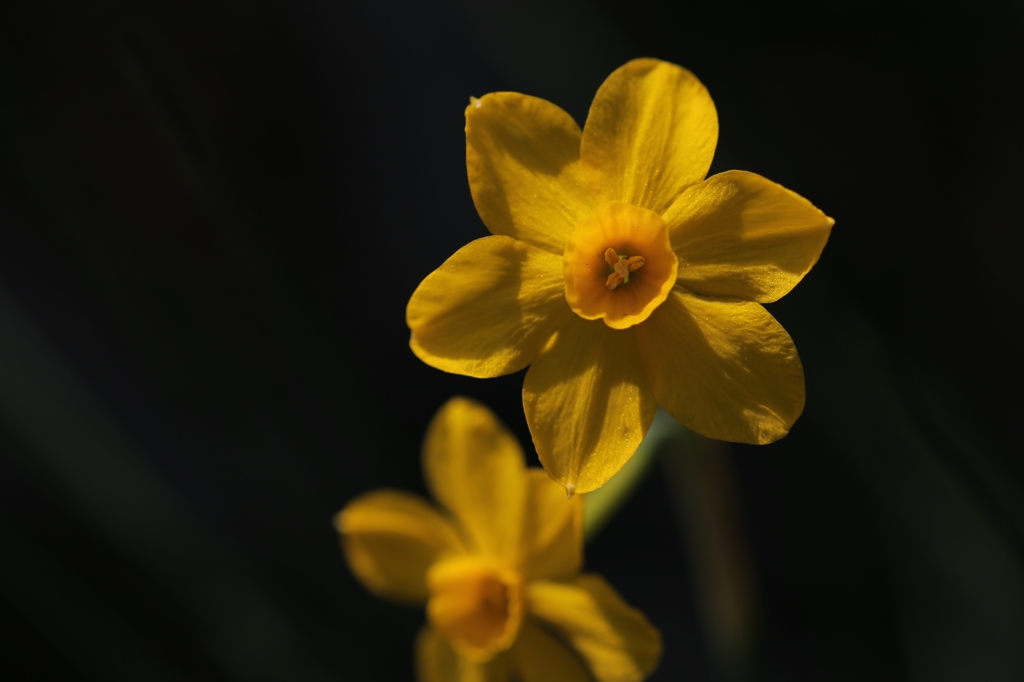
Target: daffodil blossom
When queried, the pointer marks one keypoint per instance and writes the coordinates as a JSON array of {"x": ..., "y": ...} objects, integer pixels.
[
  {"x": 498, "y": 566},
  {"x": 620, "y": 275}
]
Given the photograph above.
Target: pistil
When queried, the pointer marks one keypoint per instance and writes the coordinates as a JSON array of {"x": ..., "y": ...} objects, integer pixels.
[{"x": 622, "y": 266}]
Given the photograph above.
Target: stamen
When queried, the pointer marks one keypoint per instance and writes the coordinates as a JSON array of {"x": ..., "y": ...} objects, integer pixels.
[
  {"x": 623, "y": 266},
  {"x": 570, "y": 489}
]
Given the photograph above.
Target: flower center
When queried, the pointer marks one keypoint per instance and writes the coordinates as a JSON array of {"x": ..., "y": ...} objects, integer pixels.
[
  {"x": 622, "y": 265},
  {"x": 476, "y": 605},
  {"x": 619, "y": 265}
]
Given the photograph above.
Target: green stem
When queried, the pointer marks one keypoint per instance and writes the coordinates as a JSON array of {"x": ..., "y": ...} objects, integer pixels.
[
  {"x": 705, "y": 498},
  {"x": 602, "y": 504}
]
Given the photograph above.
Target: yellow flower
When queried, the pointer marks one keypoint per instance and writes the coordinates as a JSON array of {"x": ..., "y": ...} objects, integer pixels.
[
  {"x": 498, "y": 566},
  {"x": 620, "y": 275}
]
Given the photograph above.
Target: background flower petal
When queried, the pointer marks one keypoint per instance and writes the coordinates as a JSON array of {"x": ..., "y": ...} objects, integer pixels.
[
  {"x": 523, "y": 160},
  {"x": 474, "y": 467},
  {"x": 552, "y": 540},
  {"x": 617, "y": 641},
  {"x": 390, "y": 539},
  {"x": 740, "y": 235},
  {"x": 587, "y": 402},
  {"x": 436, "y": 661},
  {"x": 724, "y": 368},
  {"x": 488, "y": 309},
  {"x": 538, "y": 656},
  {"x": 650, "y": 134}
]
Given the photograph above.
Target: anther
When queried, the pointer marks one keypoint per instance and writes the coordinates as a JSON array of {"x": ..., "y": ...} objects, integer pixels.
[
  {"x": 635, "y": 263},
  {"x": 623, "y": 265}
]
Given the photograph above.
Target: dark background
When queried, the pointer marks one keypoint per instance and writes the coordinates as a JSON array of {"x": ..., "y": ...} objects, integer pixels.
[{"x": 212, "y": 216}]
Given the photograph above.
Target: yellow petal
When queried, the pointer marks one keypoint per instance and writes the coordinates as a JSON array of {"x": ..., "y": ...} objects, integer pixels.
[
  {"x": 650, "y": 134},
  {"x": 540, "y": 657},
  {"x": 740, "y": 235},
  {"x": 523, "y": 158},
  {"x": 588, "y": 403},
  {"x": 724, "y": 368},
  {"x": 391, "y": 538},
  {"x": 436, "y": 661},
  {"x": 474, "y": 467},
  {"x": 488, "y": 310},
  {"x": 616, "y": 640},
  {"x": 552, "y": 530}
]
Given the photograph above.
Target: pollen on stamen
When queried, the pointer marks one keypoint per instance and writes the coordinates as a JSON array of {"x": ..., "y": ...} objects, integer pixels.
[{"x": 623, "y": 265}]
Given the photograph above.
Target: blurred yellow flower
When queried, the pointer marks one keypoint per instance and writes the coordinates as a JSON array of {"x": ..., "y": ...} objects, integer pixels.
[
  {"x": 622, "y": 276},
  {"x": 498, "y": 566}
]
